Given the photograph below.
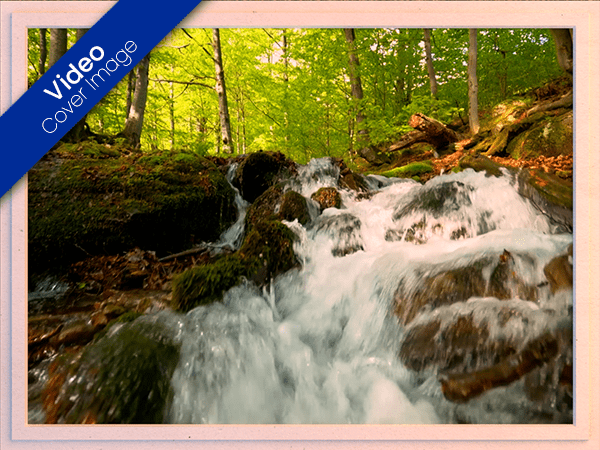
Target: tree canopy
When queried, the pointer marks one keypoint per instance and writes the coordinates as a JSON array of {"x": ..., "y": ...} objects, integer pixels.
[{"x": 290, "y": 89}]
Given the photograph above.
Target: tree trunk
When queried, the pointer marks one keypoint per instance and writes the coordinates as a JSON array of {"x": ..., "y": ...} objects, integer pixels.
[
  {"x": 80, "y": 33},
  {"x": 429, "y": 60},
  {"x": 43, "y": 51},
  {"x": 563, "y": 41},
  {"x": 222, "y": 93},
  {"x": 130, "y": 89},
  {"x": 172, "y": 114},
  {"x": 286, "y": 118},
  {"x": 362, "y": 135},
  {"x": 58, "y": 44},
  {"x": 473, "y": 86},
  {"x": 135, "y": 119},
  {"x": 81, "y": 130}
]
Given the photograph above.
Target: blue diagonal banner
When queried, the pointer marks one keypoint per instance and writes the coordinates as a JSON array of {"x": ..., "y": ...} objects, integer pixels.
[{"x": 80, "y": 79}]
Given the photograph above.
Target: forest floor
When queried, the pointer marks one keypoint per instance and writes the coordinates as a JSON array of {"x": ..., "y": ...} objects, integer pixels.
[{"x": 533, "y": 131}]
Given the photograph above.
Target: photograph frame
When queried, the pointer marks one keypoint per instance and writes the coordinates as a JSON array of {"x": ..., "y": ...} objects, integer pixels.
[{"x": 16, "y": 17}]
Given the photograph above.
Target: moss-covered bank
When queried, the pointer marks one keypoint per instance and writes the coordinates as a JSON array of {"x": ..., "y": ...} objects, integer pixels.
[{"x": 86, "y": 201}]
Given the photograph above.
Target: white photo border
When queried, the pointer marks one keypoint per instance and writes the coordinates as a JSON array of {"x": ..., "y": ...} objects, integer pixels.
[{"x": 584, "y": 17}]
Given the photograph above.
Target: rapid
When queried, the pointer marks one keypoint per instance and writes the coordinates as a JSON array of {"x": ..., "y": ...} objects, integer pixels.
[{"x": 321, "y": 343}]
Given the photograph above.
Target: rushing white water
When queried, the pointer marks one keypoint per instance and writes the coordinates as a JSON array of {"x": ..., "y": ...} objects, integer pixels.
[
  {"x": 321, "y": 344},
  {"x": 231, "y": 238}
]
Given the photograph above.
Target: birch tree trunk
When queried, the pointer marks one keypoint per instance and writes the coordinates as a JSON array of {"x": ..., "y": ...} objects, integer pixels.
[
  {"x": 473, "y": 86},
  {"x": 222, "y": 93},
  {"x": 429, "y": 59},
  {"x": 135, "y": 118}
]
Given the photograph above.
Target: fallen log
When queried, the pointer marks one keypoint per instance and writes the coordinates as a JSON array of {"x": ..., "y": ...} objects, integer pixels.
[
  {"x": 565, "y": 101},
  {"x": 461, "y": 388},
  {"x": 407, "y": 140},
  {"x": 426, "y": 130}
]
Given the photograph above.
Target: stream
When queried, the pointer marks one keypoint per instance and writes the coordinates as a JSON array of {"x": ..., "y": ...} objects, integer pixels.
[{"x": 320, "y": 344}]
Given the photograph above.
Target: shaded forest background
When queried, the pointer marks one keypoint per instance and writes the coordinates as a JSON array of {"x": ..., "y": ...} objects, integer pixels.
[{"x": 238, "y": 91}]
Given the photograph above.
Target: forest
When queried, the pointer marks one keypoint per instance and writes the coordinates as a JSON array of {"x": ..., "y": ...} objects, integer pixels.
[
  {"x": 309, "y": 226},
  {"x": 307, "y": 93}
]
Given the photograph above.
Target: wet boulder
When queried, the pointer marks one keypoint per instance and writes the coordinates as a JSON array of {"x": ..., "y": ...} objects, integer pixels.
[
  {"x": 559, "y": 271},
  {"x": 552, "y": 195},
  {"x": 277, "y": 204},
  {"x": 123, "y": 378},
  {"x": 350, "y": 179},
  {"x": 266, "y": 252},
  {"x": 470, "y": 336},
  {"x": 462, "y": 387},
  {"x": 269, "y": 250},
  {"x": 259, "y": 171},
  {"x": 437, "y": 199},
  {"x": 327, "y": 197},
  {"x": 82, "y": 205},
  {"x": 266, "y": 207},
  {"x": 417, "y": 217},
  {"x": 343, "y": 229},
  {"x": 459, "y": 285},
  {"x": 294, "y": 207}
]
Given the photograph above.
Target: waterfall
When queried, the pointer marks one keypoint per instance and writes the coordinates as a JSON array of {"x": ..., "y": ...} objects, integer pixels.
[
  {"x": 322, "y": 343},
  {"x": 231, "y": 238}
]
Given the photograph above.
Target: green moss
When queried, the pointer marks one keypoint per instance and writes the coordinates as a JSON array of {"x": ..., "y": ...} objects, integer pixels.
[
  {"x": 410, "y": 170},
  {"x": 549, "y": 136},
  {"x": 206, "y": 284},
  {"x": 127, "y": 317},
  {"x": 293, "y": 206},
  {"x": 120, "y": 379},
  {"x": 480, "y": 163},
  {"x": 264, "y": 207},
  {"x": 268, "y": 248},
  {"x": 83, "y": 205},
  {"x": 266, "y": 252},
  {"x": 555, "y": 190}
]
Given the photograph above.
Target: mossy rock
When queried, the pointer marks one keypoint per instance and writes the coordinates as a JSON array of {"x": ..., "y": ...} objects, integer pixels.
[
  {"x": 265, "y": 206},
  {"x": 206, "y": 284},
  {"x": 258, "y": 172},
  {"x": 551, "y": 136},
  {"x": 127, "y": 317},
  {"x": 350, "y": 179},
  {"x": 81, "y": 206},
  {"x": 122, "y": 378},
  {"x": 274, "y": 204},
  {"x": 437, "y": 199},
  {"x": 267, "y": 251},
  {"x": 327, "y": 197},
  {"x": 293, "y": 206},
  {"x": 480, "y": 163},
  {"x": 409, "y": 170}
]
